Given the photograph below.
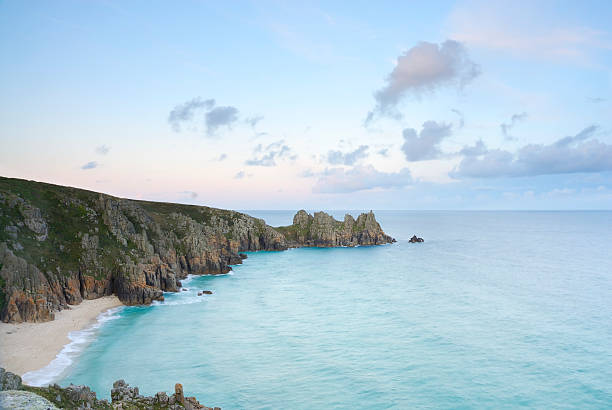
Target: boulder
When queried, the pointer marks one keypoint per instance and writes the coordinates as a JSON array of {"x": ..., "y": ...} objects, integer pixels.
[{"x": 9, "y": 381}]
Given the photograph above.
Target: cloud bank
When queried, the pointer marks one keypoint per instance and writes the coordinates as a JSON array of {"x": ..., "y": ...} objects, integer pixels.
[{"x": 574, "y": 154}]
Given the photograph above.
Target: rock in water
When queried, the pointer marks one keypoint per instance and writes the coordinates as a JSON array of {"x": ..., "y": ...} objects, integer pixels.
[
  {"x": 415, "y": 239},
  {"x": 322, "y": 230}
]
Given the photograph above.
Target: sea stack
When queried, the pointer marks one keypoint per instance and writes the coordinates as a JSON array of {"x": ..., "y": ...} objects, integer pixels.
[{"x": 322, "y": 230}]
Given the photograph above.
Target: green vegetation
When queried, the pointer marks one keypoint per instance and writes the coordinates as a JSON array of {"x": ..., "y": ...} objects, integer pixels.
[
  {"x": 62, "y": 399},
  {"x": 72, "y": 213}
]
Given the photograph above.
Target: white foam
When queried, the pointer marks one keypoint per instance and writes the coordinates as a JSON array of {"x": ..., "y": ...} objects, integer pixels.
[
  {"x": 181, "y": 301},
  {"x": 79, "y": 340}
]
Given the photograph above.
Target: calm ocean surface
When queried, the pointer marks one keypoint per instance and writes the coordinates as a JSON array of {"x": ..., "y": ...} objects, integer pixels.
[{"x": 495, "y": 309}]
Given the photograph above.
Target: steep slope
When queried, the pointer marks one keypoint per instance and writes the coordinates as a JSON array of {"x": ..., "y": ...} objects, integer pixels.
[{"x": 60, "y": 245}]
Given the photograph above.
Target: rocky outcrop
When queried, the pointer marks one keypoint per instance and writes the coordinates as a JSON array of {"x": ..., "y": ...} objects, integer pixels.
[
  {"x": 416, "y": 239},
  {"x": 9, "y": 381},
  {"x": 129, "y": 397},
  {"x": 322, "y": 230},
  {"x": 24, "y": 400},
  {"x": 81, "y": 397},
  {"x": 61, "y": 245}
]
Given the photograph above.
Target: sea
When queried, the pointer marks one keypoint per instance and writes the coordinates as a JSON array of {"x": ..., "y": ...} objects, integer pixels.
[{"x": 494, "y": 310}]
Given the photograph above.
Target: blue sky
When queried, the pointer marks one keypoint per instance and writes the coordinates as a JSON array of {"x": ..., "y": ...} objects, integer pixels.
[{"x": 335, "y": 105}]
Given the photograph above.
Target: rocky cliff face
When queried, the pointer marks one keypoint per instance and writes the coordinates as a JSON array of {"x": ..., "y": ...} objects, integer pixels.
[
  {"x": 60, "y": 245},
  {"x": 322, "y": 230}
]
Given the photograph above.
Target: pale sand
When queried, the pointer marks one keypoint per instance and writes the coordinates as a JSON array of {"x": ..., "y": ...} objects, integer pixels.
[{"x": 31, "y": 346}]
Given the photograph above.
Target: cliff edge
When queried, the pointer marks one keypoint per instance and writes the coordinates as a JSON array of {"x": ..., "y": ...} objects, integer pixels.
[{"x": 60, "y": 245}]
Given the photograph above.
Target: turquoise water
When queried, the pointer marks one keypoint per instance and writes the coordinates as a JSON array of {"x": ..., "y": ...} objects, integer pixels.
[{"x": 495, "y": 309}]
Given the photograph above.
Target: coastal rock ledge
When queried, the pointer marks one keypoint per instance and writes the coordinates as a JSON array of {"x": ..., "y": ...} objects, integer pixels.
[
  {"x": 15, "y": 395},
  {"x": 61, "y": 245}
]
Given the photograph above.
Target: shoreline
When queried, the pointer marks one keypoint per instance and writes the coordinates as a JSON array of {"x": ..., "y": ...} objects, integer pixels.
[{"x": 30, "y": 347}]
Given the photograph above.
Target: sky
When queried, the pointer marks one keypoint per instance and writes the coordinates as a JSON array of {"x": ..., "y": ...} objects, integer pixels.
[{"x": 316, "y": 105}]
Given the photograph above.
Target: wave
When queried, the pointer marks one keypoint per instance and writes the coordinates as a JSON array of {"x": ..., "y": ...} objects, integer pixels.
[{"x": 79, "y": 340}]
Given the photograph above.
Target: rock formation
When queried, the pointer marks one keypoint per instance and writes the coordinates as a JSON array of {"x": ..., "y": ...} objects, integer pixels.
[
  {"x": 81, "y": 397},
  {"x": 322, "y": 230},
  {"x": 61, "y": 245},
  {"x": 416, "y": 239}
]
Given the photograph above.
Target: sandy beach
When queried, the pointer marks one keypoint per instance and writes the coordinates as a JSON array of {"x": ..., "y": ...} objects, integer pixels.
[{"x": 30, "y": 346}]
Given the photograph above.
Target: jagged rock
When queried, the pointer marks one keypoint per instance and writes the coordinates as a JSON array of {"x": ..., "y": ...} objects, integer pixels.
[
  {"x": 9, "y": 381},
  {"x": 33, "y": 220},
  {"x": 81, "y": 394},
  {"x": 161, "y": 398},
  {"x": 178, "y": 393},
  {"x": 122, "y": 391},
  {"x": 200, "y": 293},
  {"x": 243, "y": 255},
  {"x": 13, "y": 396},
  {"x": 416, "y": 239},
  {"x": 207, "y": 292},
  {"x": 322, "y": 230}
]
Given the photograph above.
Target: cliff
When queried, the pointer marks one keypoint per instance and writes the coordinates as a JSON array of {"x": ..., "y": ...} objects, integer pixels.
[
  {"x": 322, "y": 230},
  {"x": 60, "y": 245}
]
